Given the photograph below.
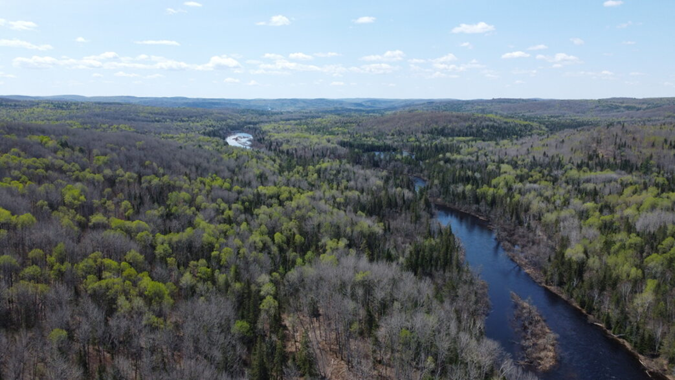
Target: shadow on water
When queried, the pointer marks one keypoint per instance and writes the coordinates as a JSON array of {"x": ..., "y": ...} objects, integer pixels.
[{"x": 584, "y": 351}]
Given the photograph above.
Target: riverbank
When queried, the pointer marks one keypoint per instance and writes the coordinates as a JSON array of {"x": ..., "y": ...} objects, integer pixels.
[{"x": 516, "y": 243}]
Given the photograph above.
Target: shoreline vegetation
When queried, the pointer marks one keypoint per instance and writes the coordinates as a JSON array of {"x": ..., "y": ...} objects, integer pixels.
[
  {"x": 656, "y": 369},
  {"x": 537, "y": 342}
]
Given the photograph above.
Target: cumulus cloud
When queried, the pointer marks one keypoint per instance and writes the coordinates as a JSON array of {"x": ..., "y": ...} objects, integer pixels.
[
  {"x": 3, "y": 75},
  {"x": 272, "y": 56},
  {"x": 531, "y": 73},
  {"x": 375, "y": 68},
  {"x": 282, "y": 66},
  {"x": 515, "y": 54},
  {"x": 538, "y": 47},
  {"x": 24, "y": 44},
  {"x": 329, "y": 54},
  {"x": 300, "y": 57},
  {"x": 445, "y": 59},
  {"x": 443, "y": 64},
  {"x": 490, "y": 74},
  {"x": 577, "y": 41},
  {"x": 112, "y": 61},
  {"x": 604, "y": 74},
  {"x": 253, "y": 83},
  {"x": 192, "y": 4},
  {"x": 364, "y": 20},
  {"x": 560, "y": 59},
  {"x": 466, "y": 45},
  {"x": 481, "y": 27},
  {"x": 127, "y": 75},
  {"x": 171, "y": 11},
  {"x": 81, "y": 40},
  {"x": 278, "y": 20},
  {"x": 123, "y": 74},
  {"x": 612, "y": 3},
  {"x": 18, "y": 25},
  {"x": 389, "y": 56},
  {"x": 158, "y": 42}
]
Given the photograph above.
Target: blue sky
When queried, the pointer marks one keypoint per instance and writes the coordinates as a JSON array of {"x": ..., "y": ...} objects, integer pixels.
[{"x": 338, "y": 49}]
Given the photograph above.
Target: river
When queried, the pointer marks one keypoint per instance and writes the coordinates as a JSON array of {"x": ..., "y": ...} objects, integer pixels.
[{"x": 584, "y": 350}]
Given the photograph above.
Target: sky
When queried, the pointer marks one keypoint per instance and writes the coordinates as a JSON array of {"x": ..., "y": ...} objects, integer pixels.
[{"x": 459, "y": 49}]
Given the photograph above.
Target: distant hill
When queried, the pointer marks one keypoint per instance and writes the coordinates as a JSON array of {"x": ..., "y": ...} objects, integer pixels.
[
  {"x": 616, "y": 108},
  {"x": 612, "y": 108},
  {"x": 284, "y": 105}
]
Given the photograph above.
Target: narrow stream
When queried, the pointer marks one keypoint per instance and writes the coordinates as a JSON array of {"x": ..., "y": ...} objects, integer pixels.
[{"x": 584, "y": 351}]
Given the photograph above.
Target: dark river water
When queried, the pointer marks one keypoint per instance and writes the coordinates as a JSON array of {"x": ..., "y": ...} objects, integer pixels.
[{"x": 584, "y": 351}]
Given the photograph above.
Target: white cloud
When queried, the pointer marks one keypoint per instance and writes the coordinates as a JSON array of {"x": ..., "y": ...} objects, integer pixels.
[
  {"x": 97, "y": 75},
  {"x": 445, "y": 59},
  {"x": 337, "y": 84},
  {"x": 327, "y": 55},
  {"x": 278, "y": 20},
  {"x": 375, "y": 68},
  {"x": 171, "y": 11},
  {"x": 81, "y": 40},
  {"x": 481, "y": 27},
  {"x": 300, "y": 57},
  {"x": 122, "y": 74},
  {"x": 577, "y": 41},
  {"x": 127, "y": 75},
  {"x": 192, "y": 4},
  {"x": 515, "y": 54},
  {"x": 272, "y": 56},
  {"x": 3, "y": 75},
  {"x": 538, "y": 47},
  {"x": 466, "y": 45},
  {"x": 518, "y": 82},
  {"x": 441, "y": 64},
  {"x": 605, "y": 74},
  {"x": 417, "y": 60},
  {"x": 219, "y": 63},
  {"x": 18, "y": 25},
  {"x": 158, "y": 42},
  {"x": 531, "y": 73},
  {"x": 612, "y": 3},
  {"x": 364, "y": 20},
  {"x": 560, "y": 59},
  {"x": 24, "y": 44},
  {"x": 629, "y": 42},
  {"x": 231, "y": 80},
  {"x": 389, "y": 56},
  {"x": 490, "y": 74},
  {"x": 112, "y": 61},
  {"x": 625, "y": 25},
  {"x": 253, "y": 83}
]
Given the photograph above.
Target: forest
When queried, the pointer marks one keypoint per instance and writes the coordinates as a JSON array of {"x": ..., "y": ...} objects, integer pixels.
[{"x": 136, "y": 244}]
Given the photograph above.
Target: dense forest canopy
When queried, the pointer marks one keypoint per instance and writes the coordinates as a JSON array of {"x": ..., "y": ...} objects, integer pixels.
[{"x": 137, "y": 244}]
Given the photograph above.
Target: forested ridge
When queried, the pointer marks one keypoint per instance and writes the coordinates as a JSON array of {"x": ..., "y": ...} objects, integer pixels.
[
  {"x": 138, "y": 245},
  {"x": 147, "y": 248},
  {"x": 587, "y": 201}
]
